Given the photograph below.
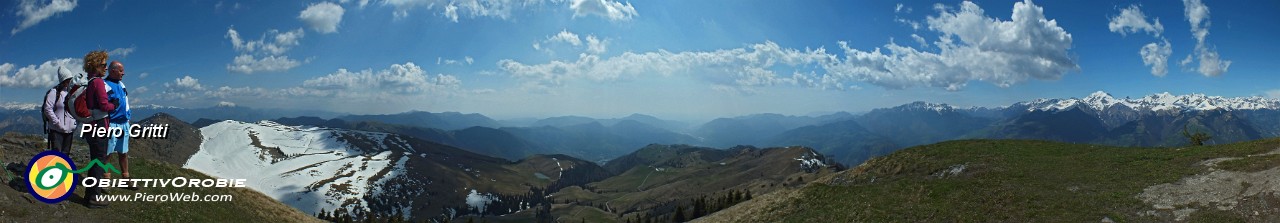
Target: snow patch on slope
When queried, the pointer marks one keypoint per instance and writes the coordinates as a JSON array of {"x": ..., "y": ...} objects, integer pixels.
[{"x": 321, "y": 169}]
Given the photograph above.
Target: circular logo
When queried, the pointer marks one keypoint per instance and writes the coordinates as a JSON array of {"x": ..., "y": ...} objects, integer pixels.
[{"x": 50, "y": 177}]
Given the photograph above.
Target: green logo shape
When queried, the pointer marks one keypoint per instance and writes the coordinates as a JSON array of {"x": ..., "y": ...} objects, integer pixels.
[
  {"x": 40, "y": 181},
  {"x": 100, "y": 164}
]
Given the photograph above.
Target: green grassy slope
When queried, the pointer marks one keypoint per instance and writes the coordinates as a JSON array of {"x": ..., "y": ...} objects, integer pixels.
[{"x": 1022, "y": 180}]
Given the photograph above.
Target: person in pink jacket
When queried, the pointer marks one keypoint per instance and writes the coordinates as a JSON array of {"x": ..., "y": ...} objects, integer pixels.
[{"x": 95, "y": 63}]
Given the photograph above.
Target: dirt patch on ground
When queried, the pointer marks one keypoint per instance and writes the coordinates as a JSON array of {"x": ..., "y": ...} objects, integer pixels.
[{"x": 1248, "y": 195}]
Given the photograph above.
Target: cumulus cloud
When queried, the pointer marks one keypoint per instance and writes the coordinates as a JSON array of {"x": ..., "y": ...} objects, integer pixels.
[
  {"x": 36, "y": 76},
  {"x": 593, "y": 44},
  {"x": 1132, "y": 20},
  {"x": 279, "y": 43},
  {"x": 1156, "y": 54},
  {"x": 399, "y": 78},
  {"x": 33, "y": 12},
  {"x": 184, "y": 88},
  {"x": 264, "y": 55},
  {"x": 611, "y": 10},
  {"x": 248, "y": 64},
  {"x": 565, "y": 37},
  {"x": 185, "y": 83},
  {"x": 971, "y": 47},
  {"x": 322, "y": 17},
  {"x": 1211, "y": 64}
]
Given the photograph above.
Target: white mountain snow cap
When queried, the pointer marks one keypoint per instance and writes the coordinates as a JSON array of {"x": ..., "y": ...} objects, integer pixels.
[
  {"x": 1156, "y": 102},
  {"x": 921, "y": 105}
]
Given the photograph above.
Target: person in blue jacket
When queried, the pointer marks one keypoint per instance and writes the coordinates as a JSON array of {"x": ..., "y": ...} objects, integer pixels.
[{"x": 118, "y": 94}]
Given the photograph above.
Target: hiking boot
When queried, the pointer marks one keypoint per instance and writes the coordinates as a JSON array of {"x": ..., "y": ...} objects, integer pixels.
[{"x": 97, "y": 204}]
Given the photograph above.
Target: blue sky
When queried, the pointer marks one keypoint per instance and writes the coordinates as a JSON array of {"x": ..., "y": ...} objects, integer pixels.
[{"x": 676, "y": 59}]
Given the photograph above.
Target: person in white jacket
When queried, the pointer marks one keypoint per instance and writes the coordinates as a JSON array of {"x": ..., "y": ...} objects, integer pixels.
[{"x": 59, "y": 122}]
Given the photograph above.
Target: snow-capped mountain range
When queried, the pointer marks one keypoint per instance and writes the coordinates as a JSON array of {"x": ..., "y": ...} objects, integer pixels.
[{"x": 1102, "y": 101}]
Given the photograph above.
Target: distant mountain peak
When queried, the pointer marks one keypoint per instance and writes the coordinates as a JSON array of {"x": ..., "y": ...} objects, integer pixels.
[
  {"x": 1155, "y": 102},
  {"x": 19, "y": 106},
  {"x": 925, "y": 106}
]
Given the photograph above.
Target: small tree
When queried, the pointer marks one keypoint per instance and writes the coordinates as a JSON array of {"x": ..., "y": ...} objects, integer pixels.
[
  {"x": 679, "y": 216},
  {"x": 1197, "y": 139}
]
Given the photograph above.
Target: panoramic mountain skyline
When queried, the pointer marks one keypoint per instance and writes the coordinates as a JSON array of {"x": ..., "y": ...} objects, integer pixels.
[{"x": 606, "y": 59}]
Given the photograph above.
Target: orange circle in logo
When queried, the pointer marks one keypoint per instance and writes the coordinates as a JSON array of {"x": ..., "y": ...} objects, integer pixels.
[{"x": 50, "y": 176}]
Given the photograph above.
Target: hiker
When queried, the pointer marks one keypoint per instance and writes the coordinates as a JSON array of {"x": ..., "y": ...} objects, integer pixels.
[
  {"x": 95, "y": 64},
  {"x": 58, "y": 121},
  {"x": 119, "y": 95}
]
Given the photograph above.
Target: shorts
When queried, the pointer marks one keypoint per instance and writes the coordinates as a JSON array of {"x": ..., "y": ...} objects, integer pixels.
[{"x": 119, "y": 144}]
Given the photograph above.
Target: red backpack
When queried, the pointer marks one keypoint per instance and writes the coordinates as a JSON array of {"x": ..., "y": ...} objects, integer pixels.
[{"x": 78, "y": 102}]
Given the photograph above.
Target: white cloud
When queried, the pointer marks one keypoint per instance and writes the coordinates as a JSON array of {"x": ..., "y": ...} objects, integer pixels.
[
  {"x": 596, "y": 46},
  {"x": 248, "y": 64},
  {"x": 1157, "y": 56},
  {"x": 920, "y": 40},
  {"x": 399, "y": 78},
  {"x": 1132, "y": 20},
  {"x": 263, "y": 55},
  {"x": 467, "y": 60},
  {"x": 124, "y": 52},
  {"x": 323, "y": 17},
  {"x": 1275, "y": 93},
  {"x": 971, "y": 46},
  {"x": 593, "y": 44},
  {"x": 144, "y": 75},
  {"x": 913, "y": 24},
  {"x": 37, "y": 76},
  {"x": 396, "y": 84},
  {"x": 565, "y": 37},
  {"x": 454, "y": 9},
  {"x": 5, "y": 68},
  {"x": 611, "y": 10},
  {"x": 1211, "y": 64},
  {"x": 742, "y": 65},
  {"x": 184, "y": 88},
  {"x": 33, "y": 12},
  {"x": 226, "y": 104},
  {"x": 503, "y": 9},
  {"x": 185, "y": 83},
  {"x": 1198, "y": 15},
  {"x": 280, "y": 42}
]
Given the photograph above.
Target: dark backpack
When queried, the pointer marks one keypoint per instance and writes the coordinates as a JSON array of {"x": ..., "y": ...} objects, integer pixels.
[{"x": 45, "y": 107}]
